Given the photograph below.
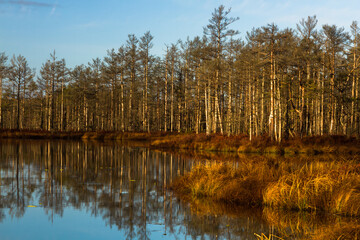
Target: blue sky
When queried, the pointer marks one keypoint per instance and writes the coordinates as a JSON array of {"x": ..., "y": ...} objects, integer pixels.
[{"x": 80, "y": 30}]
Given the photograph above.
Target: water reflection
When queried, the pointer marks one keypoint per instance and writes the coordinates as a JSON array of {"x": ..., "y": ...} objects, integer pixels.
[{"x": 124, "y": 186}]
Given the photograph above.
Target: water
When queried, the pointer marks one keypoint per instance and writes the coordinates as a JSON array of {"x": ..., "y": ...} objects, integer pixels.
[{"x": 78, "y": 190}]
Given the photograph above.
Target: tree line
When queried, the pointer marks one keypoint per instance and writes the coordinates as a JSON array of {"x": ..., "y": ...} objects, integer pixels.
[{"x": 280, "y": 82}]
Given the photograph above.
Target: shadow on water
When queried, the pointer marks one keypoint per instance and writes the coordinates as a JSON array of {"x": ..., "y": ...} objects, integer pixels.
[{"x": 127, "y": 188}]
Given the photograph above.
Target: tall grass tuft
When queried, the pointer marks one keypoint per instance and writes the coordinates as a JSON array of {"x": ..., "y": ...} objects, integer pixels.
[
  {"x": 317, "y": 186},
  {"x": 221, "y": 181},
  {"x": 326, "y": 186}
]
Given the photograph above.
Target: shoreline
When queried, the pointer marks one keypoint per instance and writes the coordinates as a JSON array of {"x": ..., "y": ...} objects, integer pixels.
[
  {"x": 295, "y": 183},
  {"x": 311, "y": 145}
]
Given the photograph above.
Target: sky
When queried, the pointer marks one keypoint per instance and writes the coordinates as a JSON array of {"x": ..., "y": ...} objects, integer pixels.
[{"x": 80, "y": 30}]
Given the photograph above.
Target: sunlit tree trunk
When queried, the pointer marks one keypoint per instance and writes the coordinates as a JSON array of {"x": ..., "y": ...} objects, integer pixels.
[
  {"x": 229, "y": 110},
  {"x": 271, "y": 116},
  {"x": 172, "y": 94},
  {"x": 166, "y": 92}
]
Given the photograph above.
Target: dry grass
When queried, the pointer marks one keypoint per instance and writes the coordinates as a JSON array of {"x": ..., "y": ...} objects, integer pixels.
[
  {"x": 262, "y": 236},
  {"x": 326, "y": 186},
  {"x": 260, "y": 144},
  {"x": 319, "y": 186},
  {"x": 39, "y": 134},
  {"x": 91, "y": 135},
  {"x": 222, "y": 182}
]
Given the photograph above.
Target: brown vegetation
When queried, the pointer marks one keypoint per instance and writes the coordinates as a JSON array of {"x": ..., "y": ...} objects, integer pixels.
[
  {"x": 260, "y": 144},
  {"x": 317, "y": 186},
  {"x": 39, "y": 134},
  {"x": 99, "y": 135},
  {"x": 220, "y": 181},
  {"x": 211, "y": 143},
  {"x": 329, "y": 186}
]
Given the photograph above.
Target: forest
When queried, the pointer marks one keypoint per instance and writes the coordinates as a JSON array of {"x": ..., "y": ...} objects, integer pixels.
[{"x": 269, "y": 81}]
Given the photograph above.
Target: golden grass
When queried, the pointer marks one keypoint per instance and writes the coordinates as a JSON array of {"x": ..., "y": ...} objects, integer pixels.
[
  {"x": 260, "y": 144},
  {"x": 220, "y": 181},
  {"x": 325, "y": 186},
  {"x": 262, "y": 236}
]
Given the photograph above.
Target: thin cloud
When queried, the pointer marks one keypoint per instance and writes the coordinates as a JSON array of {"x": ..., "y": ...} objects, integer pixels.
[
  {"x": 28, "y": 3},
  {"x": 53, "y": 10}
]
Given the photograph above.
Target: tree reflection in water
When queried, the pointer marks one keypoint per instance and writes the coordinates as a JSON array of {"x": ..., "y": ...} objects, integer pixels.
[{"x": 126, "y": 186}]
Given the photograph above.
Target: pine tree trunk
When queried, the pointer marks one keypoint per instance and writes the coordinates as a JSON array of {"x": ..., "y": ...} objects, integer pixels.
[
  {"x": 197, "y": 110},
  {"x": 179, "y": 117},
  {"x": 52, "y": 107},
  {"x": 271, "y": 116},
  {"x": 166, "y": 92},
  {"x": 229, "y": 111},
  {"x": 84, "y": 112},
  {"x": 147, "y": 125},
  {"x": 332, "y": 92},
  {"x": 172, "y": 96},
  {"x": 62, "y": 106},
  {"x": 186, "y": 117},
  {"x": 262, "y": 119},
  {"x": 207, "y": 110},
  {"x": 279, "y": 138},
  {"x": 250, "y": 109},
  {"x": 122, "y": 102},
  {"x": 18, "y": 106},
  {"x": 130, "y": 105},
  {"x": 353, "y": 86}
]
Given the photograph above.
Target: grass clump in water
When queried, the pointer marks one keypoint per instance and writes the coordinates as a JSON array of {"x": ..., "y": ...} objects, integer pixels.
[
  {"x": 222, "y": 182},
  {"x": 326, "y": 186},
  {"x": 315, "y": 186}
]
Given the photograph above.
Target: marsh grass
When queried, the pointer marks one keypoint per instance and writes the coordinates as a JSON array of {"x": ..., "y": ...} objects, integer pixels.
[
  {"x": 313, "y": 186},
  {"x": 318, "y": 186},
  {"x": 39, "y": 134},
  {"x": 243, "y": 184},
  {"x": 313, "y": 145},
  {"x": 262, "y": 236},
  {"x": 87, "y": 135}
]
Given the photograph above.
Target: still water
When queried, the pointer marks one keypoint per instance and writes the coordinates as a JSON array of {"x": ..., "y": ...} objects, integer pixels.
[{"x": 79, "y": 190}]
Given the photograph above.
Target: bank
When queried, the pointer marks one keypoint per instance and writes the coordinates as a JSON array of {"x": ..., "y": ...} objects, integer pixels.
[{"x": 201, "y": 142}]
